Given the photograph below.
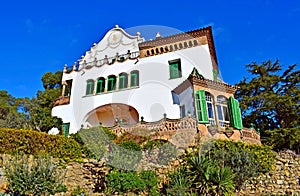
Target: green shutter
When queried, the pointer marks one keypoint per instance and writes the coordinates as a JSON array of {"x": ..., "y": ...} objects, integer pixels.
[
  {"x": 201, "y": 108},
  {"x": 65, "y": 128},
  {"x": 235, "y": 113}
]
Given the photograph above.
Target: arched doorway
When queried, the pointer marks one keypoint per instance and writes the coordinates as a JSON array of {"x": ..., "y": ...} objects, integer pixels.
[{"x": 109, "y": 114}]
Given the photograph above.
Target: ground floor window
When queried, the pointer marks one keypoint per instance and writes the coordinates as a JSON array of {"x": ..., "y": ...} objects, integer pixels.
[{"x": 65, "y": 129}]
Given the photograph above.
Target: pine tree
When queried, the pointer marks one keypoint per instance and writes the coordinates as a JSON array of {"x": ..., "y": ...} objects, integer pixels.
[{"x": 270, "y": 100}]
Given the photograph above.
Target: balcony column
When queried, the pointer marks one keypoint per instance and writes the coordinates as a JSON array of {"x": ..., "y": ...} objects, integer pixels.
[{"x": 64, "y": 83}]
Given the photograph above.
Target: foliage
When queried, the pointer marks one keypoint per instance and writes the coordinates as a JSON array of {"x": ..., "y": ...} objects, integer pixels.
[
  {"x": 245, "y": 161},
  {"x": 14, "y": 141},
  {"x": 128, "y": 181},
  {"x": 126, "y": 155},
  {"x": 209, "y": 178},
  {"x": 166, "y": 153},
  {"x": 179, "y": 183},
  {"x": 36, "y": 177},
  {"x": 152, "y": 144},
  {"x": 132, "y": 137},
  {"x": 34, "y": 113},
  {"x": 270, "y": 100},
  {"x": 78, "y": 191}
]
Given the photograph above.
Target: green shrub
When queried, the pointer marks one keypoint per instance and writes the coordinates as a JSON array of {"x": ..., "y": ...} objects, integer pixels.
[
  {"x": 209, "y": 178},
  {"x": 78, "y": 191},
  {"x": 152, "y": 144},
  {"x": 14, "y": 141},
  {"x": 36, "y": 177},
  {"x": 126, "y": 155},
  {"x": 127, "y": 181},
  {"x": 179, "y": 183},
  {"x": 245, "y": 160}
]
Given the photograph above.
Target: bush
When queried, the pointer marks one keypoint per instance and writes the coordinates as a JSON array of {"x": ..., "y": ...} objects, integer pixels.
[
  {"x": 126, "y": 155},
  {"x": 36, "y": 177},
  {"x": 126, "y": 181},
  {"x": 245, "y": 160},
  {"x": 14, "y": 141}
]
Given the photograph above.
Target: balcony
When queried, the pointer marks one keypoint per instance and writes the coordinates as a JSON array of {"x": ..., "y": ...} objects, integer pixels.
[{"x": 63, "y": 100}]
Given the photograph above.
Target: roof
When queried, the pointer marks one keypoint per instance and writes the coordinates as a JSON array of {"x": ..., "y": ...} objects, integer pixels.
[{"x": 206, "y": 31}]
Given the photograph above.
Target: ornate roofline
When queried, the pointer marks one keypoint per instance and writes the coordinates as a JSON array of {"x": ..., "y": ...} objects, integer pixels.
[
  {"x": 202, "y": 32},
  {"x": 221, "y": 86}
]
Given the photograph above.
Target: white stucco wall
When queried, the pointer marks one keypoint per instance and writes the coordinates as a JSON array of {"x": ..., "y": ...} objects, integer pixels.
[{"x": 153, "y": 96}]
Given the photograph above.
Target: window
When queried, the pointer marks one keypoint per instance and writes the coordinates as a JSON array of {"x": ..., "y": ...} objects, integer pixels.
[
  {"x": 210, "y": 108},
  {"x": 134, "y": 78},
  {"x": 65, "y": 129},
  {"x": 68, "y": 88},
  {"x": 222, "y": 109},
  {"x": 175, "y": 69},
  {"x": 201, "y": 108},
  {"x": 111, "y": 83},
  {"x": 100, "y": 85},
  {"x": 89, "y": 87},
  {"x": 123, "y": 80}
]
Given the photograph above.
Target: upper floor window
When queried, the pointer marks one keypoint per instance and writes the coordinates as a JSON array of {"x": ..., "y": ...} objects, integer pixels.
[
  {"x": 123, "y": 80},
  {"x": 222, "y": 109},
  {"x": 89, "y": 87},
  {"x": 100, "y": 85},
  {"x": 111, "y": 83},
  {"x": 134, "y": 78},
  {"x": 175, "y": 68}
]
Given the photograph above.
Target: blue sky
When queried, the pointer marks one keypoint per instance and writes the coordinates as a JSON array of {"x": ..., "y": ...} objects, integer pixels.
[{"x": 41, "y": 36}]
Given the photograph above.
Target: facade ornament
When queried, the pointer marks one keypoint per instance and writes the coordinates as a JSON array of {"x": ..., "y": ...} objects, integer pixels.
[
  {"x": 74, "y": 66},
  {"x": 65, "y": 68}
]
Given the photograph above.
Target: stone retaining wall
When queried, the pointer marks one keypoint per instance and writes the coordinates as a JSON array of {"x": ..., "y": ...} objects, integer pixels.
[{"x": 284, "y": 179}]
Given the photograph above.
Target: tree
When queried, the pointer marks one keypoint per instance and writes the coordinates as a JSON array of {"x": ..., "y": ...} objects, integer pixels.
[
  {"x": 270, "y": 100},
  {"x": 42, "y": 105}
]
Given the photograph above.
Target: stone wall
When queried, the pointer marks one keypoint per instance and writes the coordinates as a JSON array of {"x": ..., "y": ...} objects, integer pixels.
[{"x": 284, "y": 179}]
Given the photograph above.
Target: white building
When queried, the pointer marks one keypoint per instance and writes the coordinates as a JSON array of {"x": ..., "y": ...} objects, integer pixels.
[{"x": 127, "y": 79}]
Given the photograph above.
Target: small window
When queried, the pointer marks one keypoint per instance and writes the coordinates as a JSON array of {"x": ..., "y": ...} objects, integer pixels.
[
  {"x": 190, "y": 44},
  {"x": 185, "y": 45},
  {"x": 175, "y": 69},
  {"x": 210, "y": 108},
  {"x": 166, "y": 49},
  {"x": 176, "y": 47},
  {"x": 68, "y": 88},
  {"x": 195, "y": 42},
  {"x": 100, "y": 85},
  {"x": 148, "y": 53},
  {"x": 111, "y": 83},
  {"x": 89, "y": 87},
  {"x": 180, "y": 45},
  {"x": 152, "y": 51},
  {"x": 123, "y": 80},
  {"x": 171, "y": 48},
  {"x": 134, "y": 78},
  {"x": 161, "y": 50}
]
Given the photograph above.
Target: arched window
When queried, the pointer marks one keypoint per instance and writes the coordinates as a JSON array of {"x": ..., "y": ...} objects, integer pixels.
[
  {"x": 166, "y": 49},
  {"x": 152, "y": 51},
  {"x": 185, "y": 45},
  {"x": 100, "y": 85},
  {"x": 195, "y": 42},
  {"x": 171, "y": 48},
  {"x": 111, "y": 83},
  {"x": 89, "y": 87},
  {"x": 176, "y": 47},
  {"x": 134, "y": 78},
  {"x": 180, "y": 45},
  {"x": 161, "y": 49},
  {"x": 190, "y": 44},
  {"x": 148, "y": 53},
  {"x": 222, "y": 109},
  {"x": 156, "y": 50},
  {"x": 123, "y": 80},
  {"x": 210, "y": 108}
]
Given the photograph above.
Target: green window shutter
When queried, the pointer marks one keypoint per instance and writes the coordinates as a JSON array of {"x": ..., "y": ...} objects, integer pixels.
[
  {"x": 201, "y": 108},
  {"x": 235, "y": 113},
  {"x": 65, "y": 129},
  {"x": 175, "y": 68},
  {"x": 100, "y": 86},
  {"x": 89, "y": 87},
  {"x": 111, "y": 84},
  {"x": 134, "y": 79},
  {"x": 122, "y": 82}
]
